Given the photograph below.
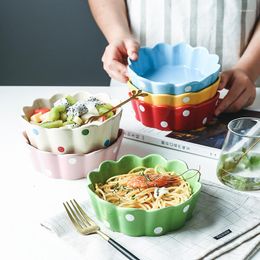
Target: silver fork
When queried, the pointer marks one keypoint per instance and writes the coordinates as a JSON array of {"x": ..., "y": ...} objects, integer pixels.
[{"x": 86, "y": 226}]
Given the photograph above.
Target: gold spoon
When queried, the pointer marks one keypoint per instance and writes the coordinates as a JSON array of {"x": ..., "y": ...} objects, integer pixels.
[{"x": 135, "y": 94}]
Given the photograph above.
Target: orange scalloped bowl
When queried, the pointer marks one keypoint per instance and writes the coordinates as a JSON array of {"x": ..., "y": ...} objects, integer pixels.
[{"x": 168, "y": 118}]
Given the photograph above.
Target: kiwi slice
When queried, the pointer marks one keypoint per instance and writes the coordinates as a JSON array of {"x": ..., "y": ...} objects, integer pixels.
[
  {"x": 54, "y": 124},
  {"x": 63, "y": 116},
  {"x": 60, "y": 108},
  {"x": 55, "y": 113},
  {"x": 104, "y": 108},
  {"x": 71, "y": 100},
  {"x": 101, "y": 109}
]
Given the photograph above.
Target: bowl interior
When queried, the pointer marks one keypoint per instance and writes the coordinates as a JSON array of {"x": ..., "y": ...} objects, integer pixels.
[
  {"x": 177, "y": 64},
  {"x": 112, "y": 168},
  {"x": 41, "y": 102}
]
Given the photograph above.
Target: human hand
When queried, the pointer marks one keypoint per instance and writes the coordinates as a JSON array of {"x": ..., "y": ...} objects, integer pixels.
[
  {"x": 242, "y": 91},
  {"x": 115, "y": 57}
]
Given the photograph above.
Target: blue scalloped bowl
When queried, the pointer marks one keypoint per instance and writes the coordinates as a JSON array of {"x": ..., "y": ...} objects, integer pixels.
[{"x": 173, "y": 69}]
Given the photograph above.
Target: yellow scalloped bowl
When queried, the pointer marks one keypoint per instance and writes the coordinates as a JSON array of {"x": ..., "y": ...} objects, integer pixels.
[{"x": 191, "y": 98}]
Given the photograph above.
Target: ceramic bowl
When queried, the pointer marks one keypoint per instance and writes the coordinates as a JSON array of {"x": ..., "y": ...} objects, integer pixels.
[
  {"x": 173, "y": 69},
  {"x": 139, "y": 222},
  {"x": 167, "y": 118},
  {"x": 80, "y": 140},
  {"x": 71, "y": 166},
  {"x": 191, "y": 98}
]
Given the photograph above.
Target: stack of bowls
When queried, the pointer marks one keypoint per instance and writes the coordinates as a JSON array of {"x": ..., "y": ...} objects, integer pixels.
[
  {"x": 70, "y": 153},
  {"x": 181, "y": 84}
]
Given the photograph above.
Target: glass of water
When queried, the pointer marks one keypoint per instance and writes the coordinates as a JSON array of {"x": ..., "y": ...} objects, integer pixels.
[{"x": 239, "y": 162}]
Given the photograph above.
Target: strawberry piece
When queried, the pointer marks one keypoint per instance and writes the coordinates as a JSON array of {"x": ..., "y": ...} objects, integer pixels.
[{"x": 42, "y": 110}]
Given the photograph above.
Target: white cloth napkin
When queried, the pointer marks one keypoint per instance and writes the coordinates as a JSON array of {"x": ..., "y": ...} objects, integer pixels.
[{"x": 225, "y": 225}]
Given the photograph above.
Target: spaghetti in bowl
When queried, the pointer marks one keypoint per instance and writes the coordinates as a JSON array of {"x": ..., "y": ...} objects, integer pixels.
[{"x": 143, "y": 196}]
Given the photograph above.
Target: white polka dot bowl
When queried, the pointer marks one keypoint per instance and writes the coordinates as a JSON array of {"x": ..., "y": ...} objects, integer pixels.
[
  {"x": 173, "y": 69},
  {"x": 188, "y": 117},
  {"x": 190, "y": 98},
  {"x": 80, "y": 140},
  {"x": 71, "y": 166},
  {"x": 136, "y": 221}
]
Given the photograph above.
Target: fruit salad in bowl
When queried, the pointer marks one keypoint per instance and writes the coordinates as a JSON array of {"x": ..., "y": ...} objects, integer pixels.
[
  {"x": 61, "y": 124},
  {"x": 69, "y": 113}
]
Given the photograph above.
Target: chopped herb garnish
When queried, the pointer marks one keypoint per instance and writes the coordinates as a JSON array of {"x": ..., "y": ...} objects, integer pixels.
[
  {"x": 116, "y": 187},
  {"x": 146, "y": 176}
]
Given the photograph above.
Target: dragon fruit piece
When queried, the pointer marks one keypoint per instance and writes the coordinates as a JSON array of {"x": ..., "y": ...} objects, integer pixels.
[
  {"x": 62, "y": 101},
  {"x": 94, "y": 100},
  {"x": 77, "y": 109}
]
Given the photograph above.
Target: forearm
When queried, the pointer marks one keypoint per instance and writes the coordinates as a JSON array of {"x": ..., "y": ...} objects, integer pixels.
[
  {"x": 250, "y": 60},
  {"x": 111, "y": 17}
]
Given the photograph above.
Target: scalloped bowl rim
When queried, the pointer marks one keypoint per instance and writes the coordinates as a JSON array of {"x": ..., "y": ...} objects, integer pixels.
[
  {"x": 138, "y": 209},
  {"x": 186, "y": 106},
  {"x": 179, "y": 85},
  {"x": 120, "y": 136},
  {"x": 164, "y": 95},
  {"x": 92, "y": 124}
]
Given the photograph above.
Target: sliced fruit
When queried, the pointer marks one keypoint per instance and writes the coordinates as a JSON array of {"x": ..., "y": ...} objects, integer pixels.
[
  {"x": 42, "y": 110},
  {"x": 60, "y": 108},
  {"x": 63, "y": 116},
  {"x": 36, "y": 118},
  {"x": 71, "y": 100},
  {"x": 54, "y": 124},
  {"x": 77, "y": 120},
  {"x": 44, "y": 117},
  {"x": 55, "y": 112}
]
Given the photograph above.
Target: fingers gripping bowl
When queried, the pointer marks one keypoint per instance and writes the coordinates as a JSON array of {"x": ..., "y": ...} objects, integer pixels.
[
  {"x": 138, "y": 221},
  {"x": 64, "y": 137}
]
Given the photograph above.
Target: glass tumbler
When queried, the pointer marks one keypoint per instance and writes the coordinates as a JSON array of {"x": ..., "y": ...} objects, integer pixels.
[{"x": 239, "y": 162}]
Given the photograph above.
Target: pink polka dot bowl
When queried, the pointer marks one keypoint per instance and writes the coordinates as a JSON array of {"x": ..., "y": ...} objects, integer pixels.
[
  {"x": 80, "y": 140},
  {"x": 168, "y": 118},
  {"x": 71, "y": 166}
]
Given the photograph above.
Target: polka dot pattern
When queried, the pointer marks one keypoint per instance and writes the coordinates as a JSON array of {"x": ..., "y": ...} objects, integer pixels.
[
  {"x": 158, "y": 230},
  {"x": 85, "y": 132},
  {"x": 61, "y": 149},
  {"x": 107, "y": 143},
  {"x": 186, "y": 100},
  {"x": 142, "y": 109},
  {"x": 72, "y": 161},
  {"x": 129, "y": 217},
  {"x": 186, "y": 208},
  {"x": 186, "y": 113},
  {"x": 187, "y": 89},
  {"x": 35, "y": 131},
  {"x": 164, "y": 124},
  {"x": 204, "y": 121}
]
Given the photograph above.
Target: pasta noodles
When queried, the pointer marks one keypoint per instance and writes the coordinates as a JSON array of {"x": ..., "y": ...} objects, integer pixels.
[{"x": 145, "y": 188}]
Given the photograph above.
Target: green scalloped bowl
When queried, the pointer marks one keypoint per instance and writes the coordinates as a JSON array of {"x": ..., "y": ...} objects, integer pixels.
[{"x": 139, "y": 222}]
